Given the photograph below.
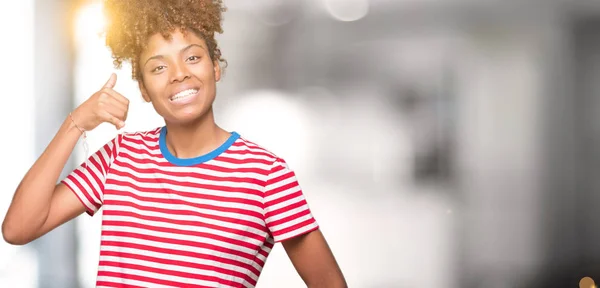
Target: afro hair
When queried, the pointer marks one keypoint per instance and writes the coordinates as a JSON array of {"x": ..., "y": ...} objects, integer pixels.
[{"x": 131, "y": 22}]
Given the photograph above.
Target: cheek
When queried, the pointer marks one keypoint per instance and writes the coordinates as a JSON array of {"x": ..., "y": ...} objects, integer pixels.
[
  {"x": 154, "y": 89},
  {"x": 204, "y": 71}
]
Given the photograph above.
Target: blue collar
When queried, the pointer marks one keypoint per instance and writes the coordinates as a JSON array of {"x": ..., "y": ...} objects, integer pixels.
[{"x": 196, "y": 160}]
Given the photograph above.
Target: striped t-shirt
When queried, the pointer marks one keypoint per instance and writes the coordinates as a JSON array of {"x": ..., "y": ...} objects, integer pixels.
[{"x": 209, "y": 221}]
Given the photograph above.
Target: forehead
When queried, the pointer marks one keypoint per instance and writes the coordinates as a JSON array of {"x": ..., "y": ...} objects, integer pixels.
[{"x": 159, "y": 45}]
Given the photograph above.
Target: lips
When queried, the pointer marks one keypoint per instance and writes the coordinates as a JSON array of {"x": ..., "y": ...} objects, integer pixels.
[{"x": 183, "y": 95}]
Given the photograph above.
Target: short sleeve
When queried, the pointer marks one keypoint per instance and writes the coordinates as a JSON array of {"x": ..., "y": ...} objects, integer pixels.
[
  {"x": 87, "y": 181},
  {"x": 287, "y": 213}
]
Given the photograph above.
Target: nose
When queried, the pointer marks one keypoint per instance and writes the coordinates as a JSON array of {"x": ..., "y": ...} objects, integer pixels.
[{"x": 179, "y": 72}]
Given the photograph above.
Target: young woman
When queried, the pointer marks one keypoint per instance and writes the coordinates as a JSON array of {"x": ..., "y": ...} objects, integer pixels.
[{"x": 184, "y": 205}]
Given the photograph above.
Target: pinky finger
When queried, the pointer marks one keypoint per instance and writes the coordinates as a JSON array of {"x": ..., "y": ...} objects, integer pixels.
[{"x": 115, "y": 121}]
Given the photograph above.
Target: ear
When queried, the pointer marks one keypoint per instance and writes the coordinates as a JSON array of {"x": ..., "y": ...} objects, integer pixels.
[
  {"x": 217, "y": 71},
  {"x": 144, "y": 91}
]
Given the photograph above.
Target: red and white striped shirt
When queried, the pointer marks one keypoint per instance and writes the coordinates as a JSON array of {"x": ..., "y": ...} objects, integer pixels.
[{"x": 209, "y": 221}]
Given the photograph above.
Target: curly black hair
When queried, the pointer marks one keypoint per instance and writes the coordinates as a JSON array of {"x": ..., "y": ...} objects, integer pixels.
[{"x": 131, "y": 22}]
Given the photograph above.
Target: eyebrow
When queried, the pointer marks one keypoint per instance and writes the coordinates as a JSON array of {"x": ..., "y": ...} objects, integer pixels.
[{"x": 181, "y": 51}]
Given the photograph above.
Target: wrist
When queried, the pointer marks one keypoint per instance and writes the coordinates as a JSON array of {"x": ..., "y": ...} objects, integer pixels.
[{"x": 72, "y": 125}]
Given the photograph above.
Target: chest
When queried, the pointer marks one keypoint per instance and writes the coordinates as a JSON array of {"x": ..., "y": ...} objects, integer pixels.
[{"x": 190, "y": 206}]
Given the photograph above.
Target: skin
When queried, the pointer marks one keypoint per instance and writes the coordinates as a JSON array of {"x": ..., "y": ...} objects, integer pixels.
[
  {"x": 167, "y": 67},
  {"x": 39, "y": 205},
  {"x": 171, "y": 66}
]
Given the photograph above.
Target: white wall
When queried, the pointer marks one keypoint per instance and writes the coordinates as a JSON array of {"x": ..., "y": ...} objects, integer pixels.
[
  {"x": 18, "y": 265},
  {"x": 499, "y": 146}
]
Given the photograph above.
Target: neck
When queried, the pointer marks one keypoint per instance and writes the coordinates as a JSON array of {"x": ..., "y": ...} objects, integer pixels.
[{"x": 195, "y": 139}]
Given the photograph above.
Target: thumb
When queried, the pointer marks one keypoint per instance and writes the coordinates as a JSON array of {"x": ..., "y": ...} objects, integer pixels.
[{"x": 111, "y": 81}]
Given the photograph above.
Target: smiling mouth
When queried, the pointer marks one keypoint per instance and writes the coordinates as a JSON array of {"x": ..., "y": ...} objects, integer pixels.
[{"x": 183, "y": 94}]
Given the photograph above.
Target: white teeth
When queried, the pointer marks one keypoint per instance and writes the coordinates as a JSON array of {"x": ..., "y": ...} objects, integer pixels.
[{"x": 184, "y": 93}]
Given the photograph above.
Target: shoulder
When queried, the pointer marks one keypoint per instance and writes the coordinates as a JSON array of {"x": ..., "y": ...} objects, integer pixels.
[
  {"x": 149, "y": 134},
  {"x": 146, "y": 138},
  {"x": 254, "y": 150}
]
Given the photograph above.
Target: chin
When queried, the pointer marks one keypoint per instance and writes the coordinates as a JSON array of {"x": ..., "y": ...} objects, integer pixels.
[{"x": 187, "y": 116}]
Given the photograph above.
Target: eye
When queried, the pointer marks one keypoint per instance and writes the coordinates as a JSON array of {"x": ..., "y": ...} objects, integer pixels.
[
  {"x": 193, "y": 58},
  {"x": 158, "y": 69}
]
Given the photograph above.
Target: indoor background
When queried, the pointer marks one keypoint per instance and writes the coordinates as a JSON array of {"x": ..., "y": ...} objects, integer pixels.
[{"x": 440, "y": 143}]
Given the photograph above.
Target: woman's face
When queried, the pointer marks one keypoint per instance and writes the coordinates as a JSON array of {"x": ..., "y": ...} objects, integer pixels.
[{"x": 178, "y": 76}]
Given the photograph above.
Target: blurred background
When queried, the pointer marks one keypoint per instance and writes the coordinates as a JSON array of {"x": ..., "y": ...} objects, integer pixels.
[{"x": 450, "y": 143}]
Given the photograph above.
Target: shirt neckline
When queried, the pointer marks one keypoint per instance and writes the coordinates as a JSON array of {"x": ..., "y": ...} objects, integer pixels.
[{"x": 196, "y": 160}]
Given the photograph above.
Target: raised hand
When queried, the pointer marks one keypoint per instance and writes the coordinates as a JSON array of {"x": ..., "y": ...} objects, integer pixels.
[{"x": 106, "y": 105}]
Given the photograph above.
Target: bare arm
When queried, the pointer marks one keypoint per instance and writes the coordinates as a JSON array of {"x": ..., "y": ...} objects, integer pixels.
[
  {"x": 29, "y": 216},
  {"x": 314, "y": 261},
  {"x": 39, "y": 205}
]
